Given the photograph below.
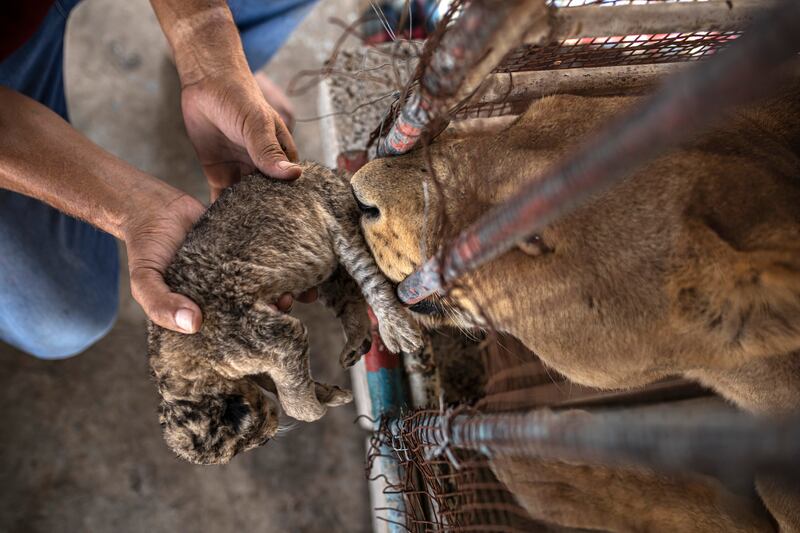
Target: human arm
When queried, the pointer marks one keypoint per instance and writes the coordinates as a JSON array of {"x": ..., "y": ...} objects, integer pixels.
[
  {"x": 232, "y": 127},
  {"x": 44, "y": 157}
]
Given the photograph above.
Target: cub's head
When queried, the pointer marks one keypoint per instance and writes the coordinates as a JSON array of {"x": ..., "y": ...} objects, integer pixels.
[
  {"x": 206, "y": 418},
  {"x": 211, "y": 428}
]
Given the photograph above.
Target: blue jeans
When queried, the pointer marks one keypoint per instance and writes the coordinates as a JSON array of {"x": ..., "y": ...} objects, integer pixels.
[{"x": 59, "y": 277}]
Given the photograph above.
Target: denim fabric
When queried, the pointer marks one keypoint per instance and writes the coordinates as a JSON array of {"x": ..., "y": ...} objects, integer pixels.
[
  {"x": 264, "y": 25},
  {"x": 59, "y": 276},
  {"x": 59, "y": 279}
]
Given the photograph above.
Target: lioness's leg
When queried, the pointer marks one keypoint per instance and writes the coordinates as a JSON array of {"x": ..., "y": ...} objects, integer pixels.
[
  {"x": 743, "y": 306},
  {"x": 625, "y": 500},
  {"x": 781, "y": 496},
  {"x": 767, "y": 386},
  {"x": 739, "y": 304}
]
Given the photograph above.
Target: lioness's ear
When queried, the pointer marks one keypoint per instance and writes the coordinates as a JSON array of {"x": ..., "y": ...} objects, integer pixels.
[{"x": 534, "y": 246}]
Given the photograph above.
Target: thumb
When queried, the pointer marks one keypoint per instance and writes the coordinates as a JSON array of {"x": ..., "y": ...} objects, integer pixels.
[
  {"x": 165, "y": 308},
  {"x": 266, "y": 152}
]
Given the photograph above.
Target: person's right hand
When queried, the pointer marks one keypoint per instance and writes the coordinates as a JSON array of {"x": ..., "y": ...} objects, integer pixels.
[{"x": 152, "y": 237}]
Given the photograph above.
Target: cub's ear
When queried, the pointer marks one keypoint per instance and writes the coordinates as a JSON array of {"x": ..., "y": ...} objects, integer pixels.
[
  {"x": 746, "y": 302},
  {"x": 535, "y": 246}
]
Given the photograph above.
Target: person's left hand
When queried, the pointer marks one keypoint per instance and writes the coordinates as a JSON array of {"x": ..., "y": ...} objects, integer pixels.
[{"x": 235, "y": 131}]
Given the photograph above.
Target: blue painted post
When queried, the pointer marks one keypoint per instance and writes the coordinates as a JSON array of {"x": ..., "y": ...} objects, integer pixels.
[{"x": 388, "y": 395}]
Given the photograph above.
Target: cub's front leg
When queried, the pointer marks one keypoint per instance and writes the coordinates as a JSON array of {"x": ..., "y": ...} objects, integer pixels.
[{"x": 398, "y": 330}]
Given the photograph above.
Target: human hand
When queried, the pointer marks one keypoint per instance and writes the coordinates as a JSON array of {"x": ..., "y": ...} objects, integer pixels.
[
  {"x": 152, "y": 236},
  {"x": 235, "y": 131}
]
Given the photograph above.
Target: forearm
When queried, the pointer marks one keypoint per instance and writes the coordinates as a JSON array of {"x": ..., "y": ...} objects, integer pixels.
[
  {"x": 203, "y": 37},
  {"x": 42, "y": 156}
]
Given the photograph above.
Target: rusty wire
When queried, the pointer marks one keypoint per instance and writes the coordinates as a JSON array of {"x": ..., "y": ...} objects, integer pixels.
[
  {"x": 457, "y": 491},
  {"x": 618, "y": 50},
  {"x": 439, "y": 497}
]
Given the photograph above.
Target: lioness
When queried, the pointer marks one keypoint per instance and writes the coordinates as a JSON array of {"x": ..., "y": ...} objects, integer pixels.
[{"x": 691, "y": 267}]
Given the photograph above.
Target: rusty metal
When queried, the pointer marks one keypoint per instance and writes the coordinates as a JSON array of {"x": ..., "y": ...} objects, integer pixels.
[
  {"x": 471, "y": 49},
  {"x": 445, "y": 457},
  {"x": 637, "y": 49},
  {"x": 598, "y": 81},
  {"x": 440, "y": 498},
  {"x": 654, "y": 18},
  {"x": 632, "y": 34},
  {"x": 510, "y": 94},
  {"x": 712, "y": 440},
  {"x": 687, "y": 102}
]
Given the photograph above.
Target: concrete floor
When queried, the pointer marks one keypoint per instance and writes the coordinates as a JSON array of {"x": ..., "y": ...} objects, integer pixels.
[{"x": 80, "y": 446}]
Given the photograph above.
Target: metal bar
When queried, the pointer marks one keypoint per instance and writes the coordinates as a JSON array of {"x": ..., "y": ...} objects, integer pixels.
[
  {"x": 721, "y": 442},
  {"x": 479, "y": 40},
  {"x": 388, "y": 395},
  {"x": 686, "y": 102},
  {"x": 654, "y": 18}
]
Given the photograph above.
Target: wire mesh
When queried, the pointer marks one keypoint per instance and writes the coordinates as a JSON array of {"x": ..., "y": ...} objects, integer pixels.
[
  {"x": 592, "y": 52},
  {"x": 579, "y": 3},
  {"x": 582, "y": 52},
  {"x": 440, "y": 497}
]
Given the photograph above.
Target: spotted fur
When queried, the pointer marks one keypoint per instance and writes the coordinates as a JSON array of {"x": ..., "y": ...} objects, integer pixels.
[{"x": 262, "y": 238}]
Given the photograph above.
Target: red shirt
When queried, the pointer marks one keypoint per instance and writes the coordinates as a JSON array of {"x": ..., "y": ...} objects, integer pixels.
[{"x": 19, "y": 21}]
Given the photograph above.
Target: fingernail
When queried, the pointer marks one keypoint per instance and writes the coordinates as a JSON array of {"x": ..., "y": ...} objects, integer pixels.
[
  {"x": 286, "y": 165},
  {"x": 184, "y": 318}
]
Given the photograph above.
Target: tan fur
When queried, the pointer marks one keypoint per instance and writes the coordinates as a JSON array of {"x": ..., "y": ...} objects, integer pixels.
[
  {"x": 689, "y": 267},
  {"x": 626, "y": 500}
]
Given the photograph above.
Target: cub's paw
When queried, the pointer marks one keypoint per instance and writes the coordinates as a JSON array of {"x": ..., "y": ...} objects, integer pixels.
[
  {"x": 301, "y": 403},
  {"x": 350, "y": 357},
  {"x": 307, "y": 412},
  {"x": 331, "y": 395},
  {"x": 399, "y": 333}
]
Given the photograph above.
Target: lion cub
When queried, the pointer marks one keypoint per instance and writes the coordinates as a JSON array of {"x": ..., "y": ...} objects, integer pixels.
[{"x": 262, "y": 238}]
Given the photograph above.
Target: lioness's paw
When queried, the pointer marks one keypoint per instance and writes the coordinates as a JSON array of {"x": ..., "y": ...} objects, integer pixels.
[{"x": 399, "y": 333}]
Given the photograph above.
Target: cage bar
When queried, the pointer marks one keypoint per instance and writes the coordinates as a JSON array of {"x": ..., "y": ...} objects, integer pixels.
[
  {"x": 687, "y": 102},
  {"x": 728, "y": 444},
  {"x": 601, "y": 81},
  {"x": 470, "y": 50},
  {"x": 652, "y": 18}
]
